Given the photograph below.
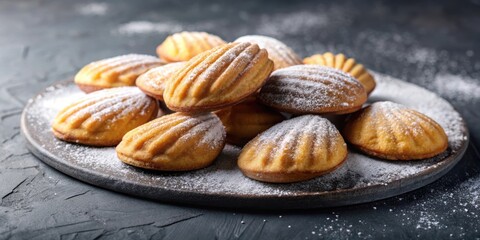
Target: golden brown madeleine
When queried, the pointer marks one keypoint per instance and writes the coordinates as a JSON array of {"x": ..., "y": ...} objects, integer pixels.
[
  {"x": 294, "y": 150},
  {"x": 175, "y": 142},
  {"x": 102, "y": 118},
  {"x": 246, "y": 120},
  {"x": 153, "y": 82},
  {"x": 114, "y": 72},
  {"x": 218, "y": 78},
  {"x": 348, "y": 65},
  {"x": 281, "y": 55},
  {"x": 312, "y": 89},
  {"x": 186, "y": 45},
  {"x": 392, "y": 131}
]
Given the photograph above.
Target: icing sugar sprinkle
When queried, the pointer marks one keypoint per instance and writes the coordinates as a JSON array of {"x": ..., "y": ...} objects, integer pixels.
[
  {"x": 309, "y": 87},
  {"x": 224, "y": 177},
  {"x": 143, "y": 27},
  {"x": 461, "y": 88},
  {"x": 206, "y": 125},
  {"x": 157, "y": 77},
  {"x": 273, "y": 46},
  {"x": 90, "y": 9},
  {"x": 285, "y": 133}
]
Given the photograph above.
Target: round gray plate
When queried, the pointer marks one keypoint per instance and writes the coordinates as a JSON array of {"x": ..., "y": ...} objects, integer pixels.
[{"x": 360, "y": 179}]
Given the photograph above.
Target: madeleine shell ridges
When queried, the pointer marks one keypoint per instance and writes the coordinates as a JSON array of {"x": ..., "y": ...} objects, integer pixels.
[
  {"x": 175, "y": 142},
  {"x": 247, "y": 119},
  {"x": 348, "y": 65},
  {"x": 153, "y": 81},
  {"x": 392, "y": 131},
  {"x": 185, "y": 45},
  {"x": 294, "y": 150},
  {"x": 218, "y": 78},
  {"x": 317, "y": 89},
  {"x": 115, "y": 72},
  {"x": 281, "y": 55},
  {"x": 102, "y": 118}
]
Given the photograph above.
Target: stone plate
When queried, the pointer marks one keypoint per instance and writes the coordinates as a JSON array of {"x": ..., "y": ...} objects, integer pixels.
[{"x": 360, "y": 179}]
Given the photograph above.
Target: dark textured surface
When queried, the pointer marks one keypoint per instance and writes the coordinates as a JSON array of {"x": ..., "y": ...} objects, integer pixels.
[{"x": 425, "y": 43}]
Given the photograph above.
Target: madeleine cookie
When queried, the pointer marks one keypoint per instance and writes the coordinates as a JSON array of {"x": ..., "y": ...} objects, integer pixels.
[
  {"x": 186, "y": 45},
  {"x": 153, "y": 82},
  {"x": 350, "y": 66},
  {"x": 102, "y": 118},
  {"x": 392, "y": 131},
  {"x": 114, "y": 72},
  {"x": 218, "y": 78},
  {"x": 246, "y": 120},
  {"x": 175, "y": 142},
  {"x": 295, "y": 150},
  {"x": 281, "y": 55},
  {"x": 312, "y": 89}
]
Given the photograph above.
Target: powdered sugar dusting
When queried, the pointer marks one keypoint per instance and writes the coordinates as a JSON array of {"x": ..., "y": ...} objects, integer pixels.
[
  {"x": 124, "y": 67},
  {"x": 157, "y": 77},
  {"x": 143, "y": 27},
  {"x": 215, "y": 133},
  {"x": 114, "y": 103},
  {"x": 293, "y": 23},
  {"x": 55, "y": 101},
  {"x": 216, "y": 68},
  {"x": 457, "y": 87},
  {"x": 93, "y": 9},
  {"x": 310, "y": 88},
  {"x": 223, "y": 177},
  {"x": 280, "y": 53},
  {"x": 413, "y": 124},
  {"x": 129, "y": 60},
  {"x": 206, "y": 125},
  {"x": 286, "y": 132}
]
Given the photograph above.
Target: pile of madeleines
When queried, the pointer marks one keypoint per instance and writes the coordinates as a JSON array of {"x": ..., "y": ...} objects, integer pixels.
[{"x": 176, "y": 112}]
